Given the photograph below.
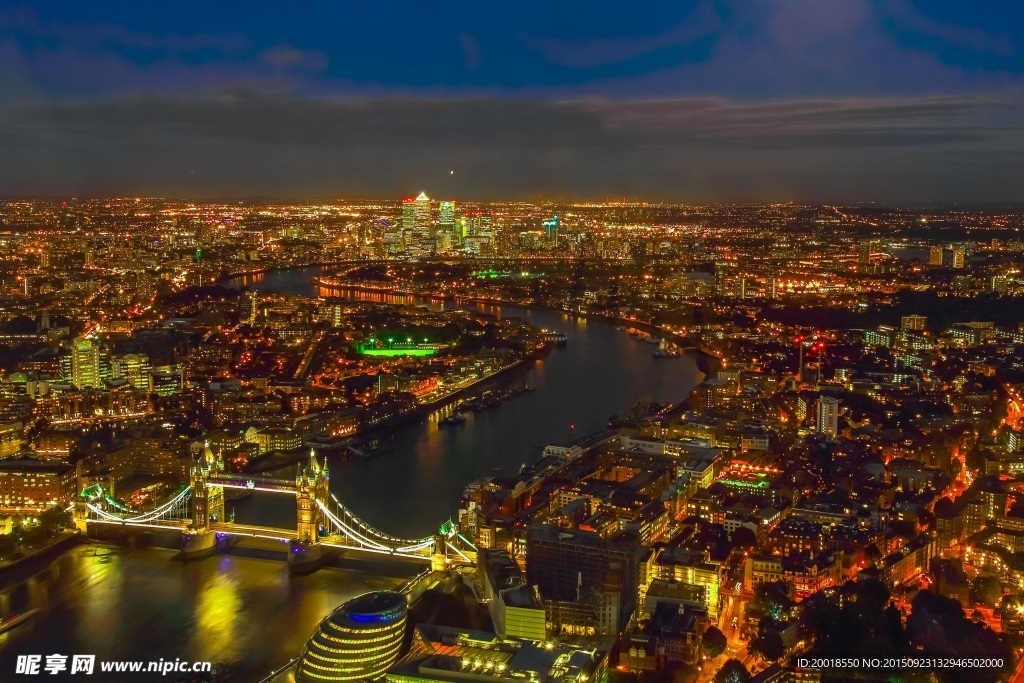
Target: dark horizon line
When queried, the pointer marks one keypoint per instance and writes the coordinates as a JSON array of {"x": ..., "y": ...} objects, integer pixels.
[{"x": 633, "y": 201}]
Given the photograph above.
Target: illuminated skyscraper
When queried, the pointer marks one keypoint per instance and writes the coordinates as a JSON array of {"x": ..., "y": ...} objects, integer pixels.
[
  {"x": 935, "y": 256},
  {"x": 551, "y": 227},
  {"x": 828, "y": 416},
  {"x": 447, "y": 234},
  {"x": 421, "y": 211},
  {"x": 447, "y": 217},
  {"x": 85, "y": 363},
  {"x": 409, "y": 214},
  {"x": 958, "y": 257}
]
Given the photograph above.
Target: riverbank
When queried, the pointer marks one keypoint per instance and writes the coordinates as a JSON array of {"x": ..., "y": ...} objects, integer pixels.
[
  {"x": 39, "y": 557},
  {"x": 707, "y": 362},
  {"x": 281, "y": 460}
]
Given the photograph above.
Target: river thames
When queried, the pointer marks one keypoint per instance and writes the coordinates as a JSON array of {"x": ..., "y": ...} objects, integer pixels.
[{"x": 247, "y": 612}]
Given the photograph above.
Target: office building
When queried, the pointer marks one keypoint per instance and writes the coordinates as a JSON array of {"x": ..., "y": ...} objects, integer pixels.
[
  {"x": 828, "y": 416},
  {"x": 865, "y": 251},
  {"x": 914, "y": 323},
  {"x": 409, "y": 214},
  {"x": 446, "y": 217},
  {"x": 248, "y": 306},
  {"x": 588, "y": 583},
  {"x": 551, "y": 228},
  {"x": 721, "y": 272},
  {"x": 959, "y": 255},
  {"x": 516, "y": 608},
  {"x": 35, "y": 485},
  {"x": 688, "y": 573},
  {"x": 358, "y": 641},
  {"x": 421, "y": 220},
  {"x": 935, "y": 256},
  {"x": 135, "y": 369},
  {"x": 85, "y": 363}
]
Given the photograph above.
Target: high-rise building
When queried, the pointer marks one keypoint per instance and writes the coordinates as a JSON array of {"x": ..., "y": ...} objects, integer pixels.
[
  {"x": 135, "y": 369},
  {"x": 935, "y": 256},
  {"x": 85, "y": 363},
  {"x": 864, "y": 252},
  {"x": 721, "y": 271},
  {"x": 959, "y": 254},
  {"x": 248, "y": 306},
  {"x": 421, "y": 214},
  {"x": 551, "y": 227},
  {"x": 828, "y": 416},
  {"x": 594, "y": 579},
  {"x": 409, "y": 214},
  {"x": 358, "y": 641},
  {"x": 447, "y": 235},
  {"x": 914, "y": 323},
  {"x": 447, "y": 216}
]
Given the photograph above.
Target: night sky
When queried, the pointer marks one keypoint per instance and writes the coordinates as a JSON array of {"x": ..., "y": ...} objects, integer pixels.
[{"x": 809, "y": 100}]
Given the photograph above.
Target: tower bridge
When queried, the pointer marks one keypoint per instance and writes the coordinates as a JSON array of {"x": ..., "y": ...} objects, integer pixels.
[{"x": 323, "y": 522}]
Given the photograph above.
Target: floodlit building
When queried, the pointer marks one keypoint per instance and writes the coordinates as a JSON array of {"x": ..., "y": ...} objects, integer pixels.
[
  {"x": 441, "y": 654},
  {"x": 358, "y": 641}
]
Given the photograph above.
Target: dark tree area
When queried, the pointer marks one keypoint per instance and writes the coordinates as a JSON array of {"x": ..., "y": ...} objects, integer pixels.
[
  {"x": 858, "y": 619},
  {"x": 714, "y": 642},
  {"x": 769, "y": 646},
  {"x": 732, "y": 671}
]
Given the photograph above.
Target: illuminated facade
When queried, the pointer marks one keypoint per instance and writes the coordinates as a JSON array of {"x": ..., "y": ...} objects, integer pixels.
[
  {"x": 358, "y": 641},
  {"x": 34, "y": 486},
  {"x": 85, "y": 363},
  {"x": 441, "y": 654}
]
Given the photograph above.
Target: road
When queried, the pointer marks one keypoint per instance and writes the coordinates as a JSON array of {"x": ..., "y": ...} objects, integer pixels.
[
  {"x": 733, "y": 607},
  {"x": 307, "y": 359}
]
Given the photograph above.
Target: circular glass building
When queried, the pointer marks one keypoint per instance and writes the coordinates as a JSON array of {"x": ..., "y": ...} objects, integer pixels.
[{"x": 358, "y": 641}]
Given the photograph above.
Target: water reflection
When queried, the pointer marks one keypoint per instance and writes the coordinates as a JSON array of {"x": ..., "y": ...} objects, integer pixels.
[
  {"x": 245, "y": 613},
  {"x": 217, "y": 610}
]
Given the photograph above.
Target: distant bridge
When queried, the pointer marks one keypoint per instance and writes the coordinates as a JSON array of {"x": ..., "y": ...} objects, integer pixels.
[{"x": 197, "y": 510}]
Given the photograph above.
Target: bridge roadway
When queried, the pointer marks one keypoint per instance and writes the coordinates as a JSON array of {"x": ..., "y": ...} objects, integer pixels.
[
  {"x": 258, "y": 483},
  {"x": 333, "y": 541},
  {"x": 253, "y": 530},
  {"x": 269, "y": 533}
]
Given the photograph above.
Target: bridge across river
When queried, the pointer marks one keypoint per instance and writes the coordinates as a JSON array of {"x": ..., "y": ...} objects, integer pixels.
[{"x": 323, "y": 521}]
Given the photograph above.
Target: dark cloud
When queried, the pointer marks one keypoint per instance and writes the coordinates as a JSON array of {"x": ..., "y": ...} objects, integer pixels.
[{"x": 941, "y": 148}]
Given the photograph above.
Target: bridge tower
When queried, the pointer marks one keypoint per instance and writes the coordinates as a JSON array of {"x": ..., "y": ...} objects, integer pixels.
[
  {"x": 206, "y": 505},
  {"x": 311, "y": 488},
  {"x": 80, "y": 514},
  {"x": 439, "y": 553}
]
